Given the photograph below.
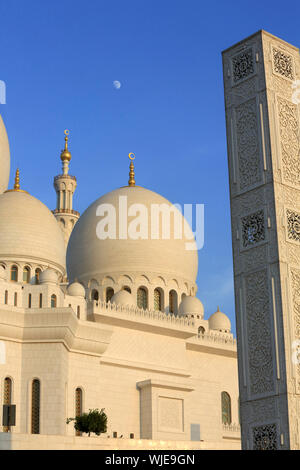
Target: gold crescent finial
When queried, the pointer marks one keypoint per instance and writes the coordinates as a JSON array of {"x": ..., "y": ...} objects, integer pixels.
[
  {"x": 131, "y": 181},
  {"x": 65, "y": 154}
]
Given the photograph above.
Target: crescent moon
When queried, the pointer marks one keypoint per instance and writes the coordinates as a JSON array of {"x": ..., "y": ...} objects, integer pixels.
[
  {"x": 129, "y": 155},
  {"x": 67, "y": 132}
]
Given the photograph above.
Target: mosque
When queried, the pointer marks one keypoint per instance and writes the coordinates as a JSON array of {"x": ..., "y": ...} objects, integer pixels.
[{"x": 107, "y": 323}]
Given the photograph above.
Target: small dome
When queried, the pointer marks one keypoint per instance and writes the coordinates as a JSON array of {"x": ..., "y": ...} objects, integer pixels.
[
  {"x": 4, "y": 157},
  {"x": 191, "y": 305},
  {"x": 76, "y": 289},
  {"x": 48, "y": 276},
  {"x": 29, "y": 231},
  {"x": 123, "y": 298},
  {"x": 2, "y": 273},
  {"x": 220, "y": 322}
]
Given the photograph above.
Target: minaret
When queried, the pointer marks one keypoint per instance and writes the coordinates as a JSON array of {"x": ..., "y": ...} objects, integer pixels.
[
  {"x": 65, "y": 186},
  {"x": 261, "y": 74}
]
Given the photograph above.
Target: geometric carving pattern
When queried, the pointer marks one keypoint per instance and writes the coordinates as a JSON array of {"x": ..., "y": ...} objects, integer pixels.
[
  {"x": 261, "y": 372},
  {"x": 247, "y": 142},
  {"x": 293, "y": 227},
  {"x": 242, "y": 65},
  {"x": 35, "y": 407},
  {"x": 290, "y": 144},
  {"x": 253, "y": 228},
  {"x": 170, "y": 414},
  {"x": 283, "y": 64},
  {"x": 265, "y": 437},
  {"x": 295, "y": 284}
]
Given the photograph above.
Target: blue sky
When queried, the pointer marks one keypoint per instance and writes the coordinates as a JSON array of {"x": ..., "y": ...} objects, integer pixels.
[{"x": 59, "y": 60}]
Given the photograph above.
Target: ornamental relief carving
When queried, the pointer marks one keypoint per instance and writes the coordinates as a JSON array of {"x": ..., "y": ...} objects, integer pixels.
[
  {"x": 248, "y": 148},
  {"x": 253, "y": 229},
  {"x": 260, "y": 354},
  {"x": 265, "y": 437},
  {"x": 289, "y": 141},
  {"x": 283, "y": 63},
  {"x": 293, "y": 225},
  {"x": 242, "y": 65},
  {"x": 295, "y": 287}
]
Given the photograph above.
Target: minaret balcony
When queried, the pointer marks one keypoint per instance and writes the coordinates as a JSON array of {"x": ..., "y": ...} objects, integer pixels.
[{"x": 66, "y": 211}]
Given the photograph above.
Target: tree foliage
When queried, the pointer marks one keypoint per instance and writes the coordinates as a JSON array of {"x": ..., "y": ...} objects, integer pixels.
[{"x": 94, "y": 421}]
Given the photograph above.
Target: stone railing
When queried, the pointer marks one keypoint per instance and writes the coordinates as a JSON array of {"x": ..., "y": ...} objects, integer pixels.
[
  {"x": 217, "y": 338},
  {"x": 100, "y": 306},
  {"x": 232, "y": 428},
  {"x": 70, "y": 177},
  {"x": 66, "y": 211}
]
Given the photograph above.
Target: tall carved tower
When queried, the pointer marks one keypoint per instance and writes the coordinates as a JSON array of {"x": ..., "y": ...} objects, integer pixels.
[
  {"x": 65, "y": 186},
  {"x": 262, "y": 120}
]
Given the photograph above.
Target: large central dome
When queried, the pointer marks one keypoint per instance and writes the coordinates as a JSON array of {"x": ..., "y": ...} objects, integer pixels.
[{"x": 89, "y": 257}]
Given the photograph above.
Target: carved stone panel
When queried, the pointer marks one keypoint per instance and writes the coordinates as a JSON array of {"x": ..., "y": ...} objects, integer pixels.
[
  {"x": 265, "y": 437},
  {"x": 243, "y": 65},
  {"x": 293, "y": 225},
  {"x": 283, "y": 64},
  {"x": 170, "y": 414},
  {"x": 289, "y": 141},
  {"x": 253, "y": 229},
  {"x": 260, "y": 354},
  {"x": 248, "y": 144}
]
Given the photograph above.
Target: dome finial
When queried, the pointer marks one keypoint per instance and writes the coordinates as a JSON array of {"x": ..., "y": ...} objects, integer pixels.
[
  {"x": 17, "y": 180},
  {"x": 131, "y": 181},
  {"x": 65, "y": 155},
  {"x": 17, "y": 184}
]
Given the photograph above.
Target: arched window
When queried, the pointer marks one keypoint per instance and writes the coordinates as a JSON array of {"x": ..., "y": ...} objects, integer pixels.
[
  {"x": 7, "y": 395},
  {"x": 26, "y": 274},
  {"x": 95, "y": 295},
  {"x": 173, "y": 301},
  {"x": 6, "y": 297},
  {"x": 15, "y": 299},
  {"x": 78, "y": 311},
  {"x": 14, "y": 273},
  {"x": 142, "y": 298},
  {"x": 35, "y": 406},
  {"x": 109, "y": 293},
  {"x": 127, "y": 289},
  {"x": 53, "y": 301},
  {"x": 201, "y": 330},
  {"x": 78, "y": 405},
  {"x": 29, "y": 300},
  {"x": 226, "y": 408},
  {"x": 157, "y": 299},
  {"x": 37, "y": 275}
]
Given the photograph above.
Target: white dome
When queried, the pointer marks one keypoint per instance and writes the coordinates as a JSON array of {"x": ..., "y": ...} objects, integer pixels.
[
  {"x": 2, "y": 273},
  {"x": 88, "y": 257},
  {"x": 29, "y": 232},
  {"x": 123, "y": 298},
  {"x": 191, "y": 305},
  {"x": 4, "y": 157},
  {"x": 76, "y": 290},
  {"x": 220, "y": 322},
  {"x": 48, "y": 276}
]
